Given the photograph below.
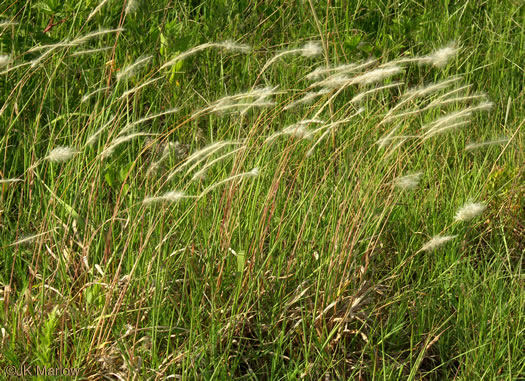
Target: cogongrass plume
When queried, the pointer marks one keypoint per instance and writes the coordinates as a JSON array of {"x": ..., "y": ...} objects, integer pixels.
[
  {"x": 206, "y": 156},
  {"x": 390, "y": 138},
  {"x": 430, "y": 88},
  {"x": 131, "y": 69},
  {"x": 200, "y": 174},
  {"x": 9, "y": 181},
  {"x": 310, "y": 121},
  {"x": 319, "y": 72},
  {"x": 421, "y": 92},
  {"x": 453, "y": 120},
  {"x": 96, "y": 9},
  {"x": 382, "y": 142},
  {"x": 136, "y": 88},
  {"x": 310, "y": 49},
  {"x": 91, "y": 51},
  {"x": 253, "y": 98},
  {"x": 148, "y": 118},
  {"x": 447, "y": 127},
  {"x": 333, "y": 82},
  {"x": 436, "y": 242},
  {"x": 66, "y": 43},
  {"x": 257, "y": 93},
  {"x": 93, "y": 137},
  {"x": 5, "y": 23},
  {"x": 61, "y": 154},
  {"x": 457, "y": 115},
  {"x": 253, "y": 173},
  {"x": 14, "y": 68},
  {"x": 460, "y": 89},
  {"x": 244, "y": 106},
  {"x": 165, "y": 154},
  {"x": 436, "y": 103},
  {"x": 171, "y": 196},
  {"x": 329, "y": 127},
  {"x": 446, "y": 101},
  {"x": 258, "y": 103},
  {"x": 62, "y": 44},
  {"x": 29, "y": 238},
  {"x": 39, "y": 59},
  {"x": 307, "y": 98},
  {"x": 131, "y": 6},
  {"x": 410, "y": 181},
  {"x": 469, "y": 211},
  {"x": 376, "y": 75},
  {"x": 297, "y": 130},
  {"x": 98, "y": 33},
  {"x": 339, "y": 80},
  {"x": 4, "y": 60},
  {"x": 201, "y": 154},
  {"x": 294, "y": 130},
  {"x": 359, "y": 97},
  {"x": 123, "y": 139},
  {"x": 336, "y": 71},
  {"x": 473, "y": 146},
  {"x": 87, "y": 96},
  {"x": 417, "y": 92},
  {"x": 440, "y": 57},
  {"x": 227, "y": 45}
]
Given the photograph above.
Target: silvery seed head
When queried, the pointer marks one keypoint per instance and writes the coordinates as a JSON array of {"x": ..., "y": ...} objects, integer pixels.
[
  {"x": 469, "y": 211},
  {"x": 61, "y": 154}
]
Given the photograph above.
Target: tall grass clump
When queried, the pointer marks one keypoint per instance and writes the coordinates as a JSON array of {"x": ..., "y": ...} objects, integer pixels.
[{"x": 187, "y": 196}]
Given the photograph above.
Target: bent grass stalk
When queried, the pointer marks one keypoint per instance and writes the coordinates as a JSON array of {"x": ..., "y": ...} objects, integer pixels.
[
  {"x": 420, "y": 92},
  {"x": 203, "y": 170},
  {"x": 253, "y": 173},
  {"x": 9, "y": 181},
  {"x": 137, "y": 88},
  {"x": 86, "y": 97},
  {"x": 130, "y": 70},
  {"x": 123, "y": 139},
  {"x": 473, "y": 146},
  {"x": 330, "y": 127},
  {"x": 93, "y": 137},
  {"x": 96, "y": 9},
  {"x": 148, "y": 118},
  {"x": 437, "y": 241},
  {"x": 202, "y": 153},
  {"x": 91, "y": 51},
  {"x": 228, "y": 45},
  {"x": 310, "y": 49}
]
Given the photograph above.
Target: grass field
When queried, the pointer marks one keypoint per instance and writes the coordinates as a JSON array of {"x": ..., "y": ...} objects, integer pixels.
[{"x": 263, "y": 190}]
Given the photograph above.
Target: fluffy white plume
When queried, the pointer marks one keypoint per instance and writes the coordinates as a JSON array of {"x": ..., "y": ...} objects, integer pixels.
[
  {"x": 311, "y": 49},
  {"x": 440, "y": 57},
  {"x": 4, "y": 60},
  {"x": 61, "y": 154},
  {"x": 469, "y": 211},
  {"x": 437, "y": 241},
  {"x": 409, "y": 181},
  {"x": 169, "y": 196},
  {"x": 473, "y": 146}
]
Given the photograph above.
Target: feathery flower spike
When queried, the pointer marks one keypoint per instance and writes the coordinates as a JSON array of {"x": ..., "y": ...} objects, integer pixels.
[
  {"x": 61, "y": 154},
  {"x": 469, "y": 211},
  {"x": 437, "y": 241}
]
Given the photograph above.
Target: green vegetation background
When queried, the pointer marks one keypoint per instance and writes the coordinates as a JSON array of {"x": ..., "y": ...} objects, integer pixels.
[{"x": 193, "y": 309}]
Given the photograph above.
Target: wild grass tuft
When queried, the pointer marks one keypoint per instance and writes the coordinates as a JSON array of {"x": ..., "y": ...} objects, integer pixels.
[{"x": 259, "y": 192}]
